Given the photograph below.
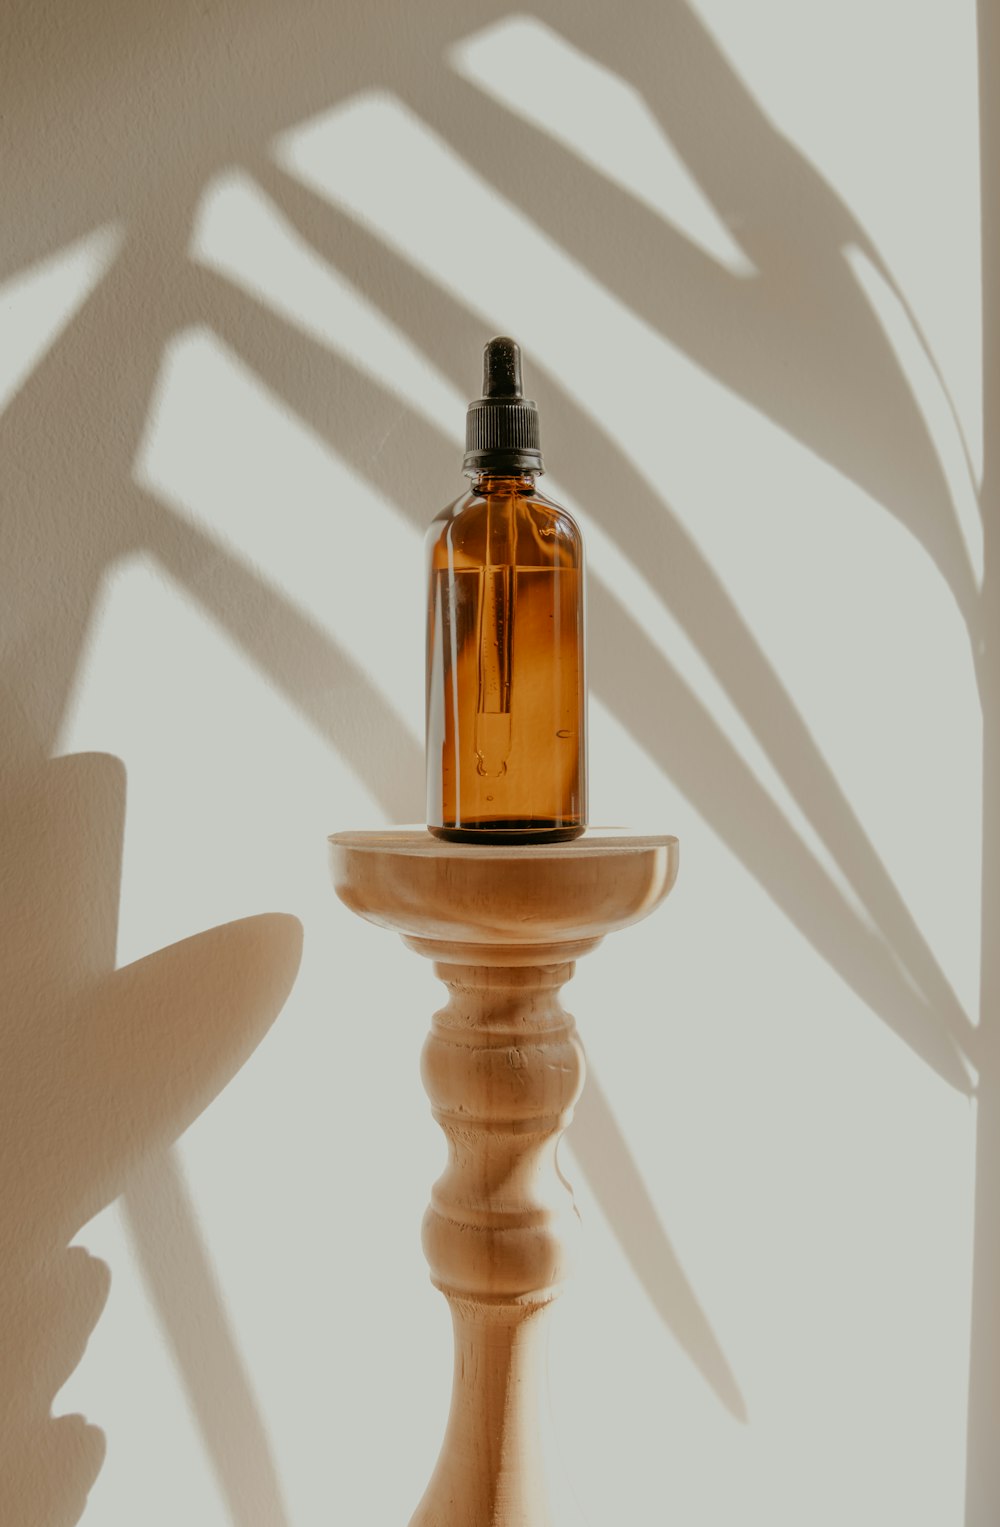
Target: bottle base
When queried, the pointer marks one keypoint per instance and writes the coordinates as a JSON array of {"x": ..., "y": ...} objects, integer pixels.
[{"x": 514, "y": 833}]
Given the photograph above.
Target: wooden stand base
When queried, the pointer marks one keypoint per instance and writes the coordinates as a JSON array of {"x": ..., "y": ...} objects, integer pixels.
[{"x": 503, "y": 1069}]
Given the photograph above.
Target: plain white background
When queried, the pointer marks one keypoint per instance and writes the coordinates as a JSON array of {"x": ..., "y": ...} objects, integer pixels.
[{"x": 250, "y": 256}]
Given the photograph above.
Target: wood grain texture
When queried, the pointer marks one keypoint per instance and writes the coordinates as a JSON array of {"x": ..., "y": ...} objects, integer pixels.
[
  {"x": 503, "y": 1068},
  {"x": 424, "y": 888}
]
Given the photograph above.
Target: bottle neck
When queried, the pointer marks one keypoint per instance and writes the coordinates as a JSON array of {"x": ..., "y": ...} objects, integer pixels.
[{"x": 486, "y": 484}]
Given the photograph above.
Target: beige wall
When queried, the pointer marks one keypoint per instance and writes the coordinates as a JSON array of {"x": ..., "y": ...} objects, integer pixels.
[{"x": 248, "y": 258}]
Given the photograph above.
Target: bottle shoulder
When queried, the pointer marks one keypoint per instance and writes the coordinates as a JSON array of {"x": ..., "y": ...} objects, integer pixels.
[{"x": 526, "y": 529}]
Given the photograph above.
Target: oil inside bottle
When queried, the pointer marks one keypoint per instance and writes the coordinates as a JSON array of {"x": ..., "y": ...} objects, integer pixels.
[{"x": 508, "y": 730}]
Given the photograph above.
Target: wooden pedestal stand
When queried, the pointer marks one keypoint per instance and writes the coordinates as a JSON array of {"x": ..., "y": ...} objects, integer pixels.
[{"x": 503, "y": 1068}]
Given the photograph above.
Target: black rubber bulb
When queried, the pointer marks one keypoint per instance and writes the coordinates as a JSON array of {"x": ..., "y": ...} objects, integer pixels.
[{"x": 502, "y": 369}]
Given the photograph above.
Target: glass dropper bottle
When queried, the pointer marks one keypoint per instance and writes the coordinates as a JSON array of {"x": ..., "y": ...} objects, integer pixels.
[{"x": 506, "y": 688}]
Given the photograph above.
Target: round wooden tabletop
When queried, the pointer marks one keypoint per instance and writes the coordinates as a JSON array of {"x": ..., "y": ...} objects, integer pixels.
[{"x": 409, "y": 881}]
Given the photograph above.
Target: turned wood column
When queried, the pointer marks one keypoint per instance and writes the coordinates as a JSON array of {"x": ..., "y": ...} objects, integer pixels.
[{"x": 503, "y": 1068}]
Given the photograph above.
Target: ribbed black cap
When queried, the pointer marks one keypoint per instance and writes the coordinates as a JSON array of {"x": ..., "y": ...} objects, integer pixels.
[{"x": 501, "y": 427}]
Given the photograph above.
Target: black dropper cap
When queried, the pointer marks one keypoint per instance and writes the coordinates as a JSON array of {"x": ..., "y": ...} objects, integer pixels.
[{"x": 501, "y": 427}]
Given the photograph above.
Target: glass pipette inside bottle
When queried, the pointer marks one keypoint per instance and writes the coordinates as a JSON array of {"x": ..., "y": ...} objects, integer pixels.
[
  {"x": 501, "y": 383},
  {"x": 496, "y": 641}
]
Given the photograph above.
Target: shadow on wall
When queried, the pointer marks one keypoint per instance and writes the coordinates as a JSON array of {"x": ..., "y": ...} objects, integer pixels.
[
  {"x": 796, "y": 338},
  {"x": 100, "y": 1069}
]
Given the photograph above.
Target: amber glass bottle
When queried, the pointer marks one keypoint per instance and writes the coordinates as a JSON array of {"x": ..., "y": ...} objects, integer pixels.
[{"x": 506, "y": 693}]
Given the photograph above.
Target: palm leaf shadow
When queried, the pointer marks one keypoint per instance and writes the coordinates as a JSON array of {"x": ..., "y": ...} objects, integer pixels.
[
  {"x": 175, "y": 1264},
  {"x": 65, "y": 570},
  {"x": 298, "y": 658},
  {"x": 799, "y": 340},
  {"x": 751, "y": 165},
  {"x": 618, "y": 1186},
  {"x": 982, "y": 1473}
]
